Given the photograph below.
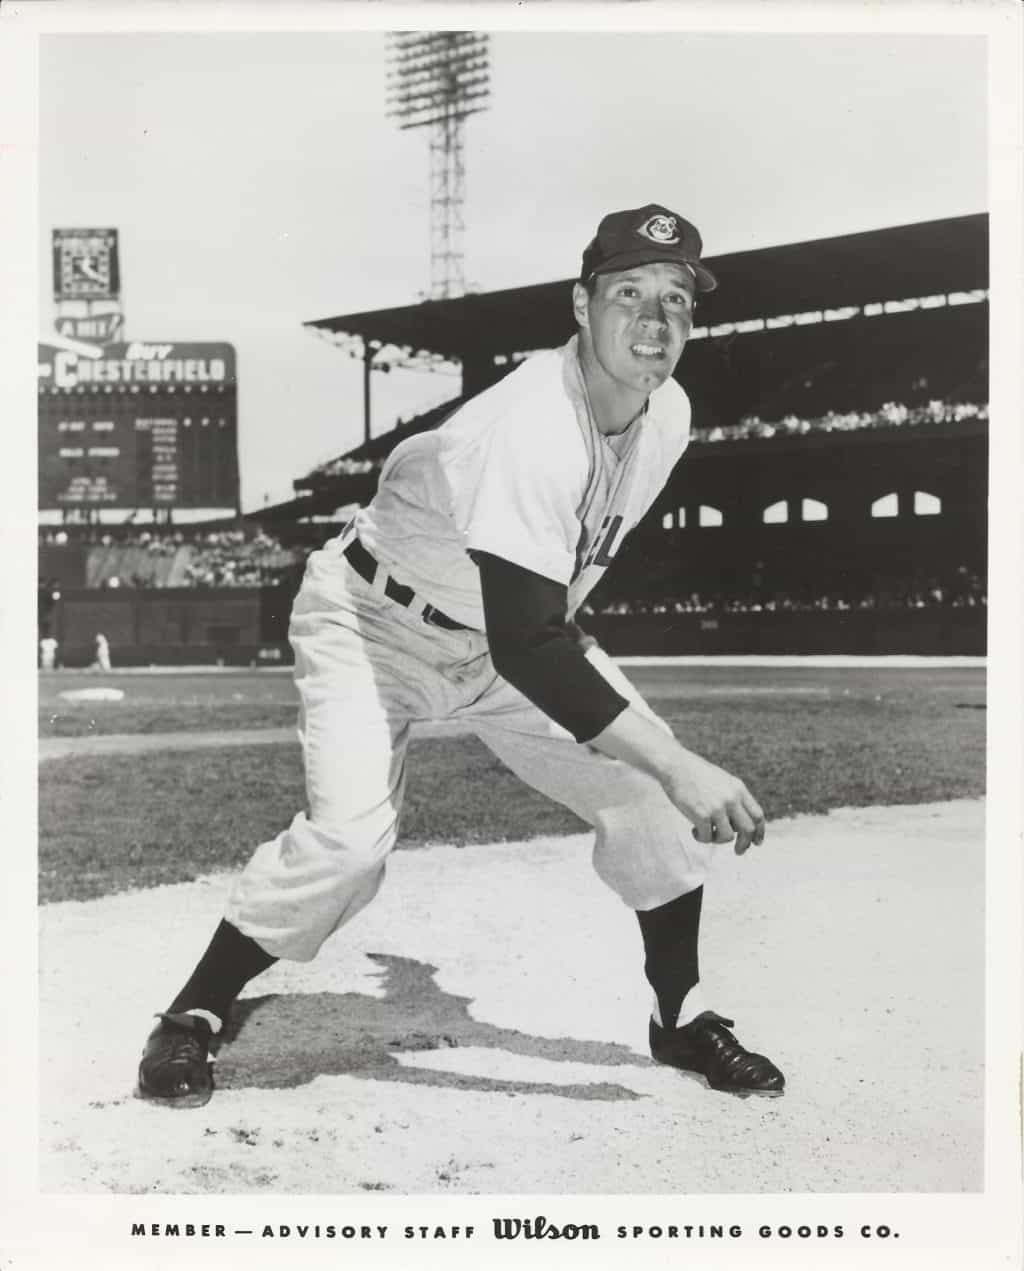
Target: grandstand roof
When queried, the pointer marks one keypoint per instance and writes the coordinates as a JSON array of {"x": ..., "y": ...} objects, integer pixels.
[{"x": 932, "y": 257}]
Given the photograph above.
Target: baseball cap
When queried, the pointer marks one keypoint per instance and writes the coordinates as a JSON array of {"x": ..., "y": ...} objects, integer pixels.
[{"x": 641, "y": 236}]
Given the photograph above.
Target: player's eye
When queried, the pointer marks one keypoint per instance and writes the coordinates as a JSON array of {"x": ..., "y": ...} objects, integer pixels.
[{"x": 628, "y": 290}]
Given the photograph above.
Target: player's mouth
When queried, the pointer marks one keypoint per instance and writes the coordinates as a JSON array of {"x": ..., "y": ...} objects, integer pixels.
[{"x": 649, "y": 352}]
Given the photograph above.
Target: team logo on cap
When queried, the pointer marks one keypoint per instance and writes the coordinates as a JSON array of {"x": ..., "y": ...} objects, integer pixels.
[{"x": 661, "y": 229}]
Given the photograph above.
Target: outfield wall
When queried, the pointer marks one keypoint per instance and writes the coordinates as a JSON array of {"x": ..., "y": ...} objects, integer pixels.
[
  {"x": 240, "y": 626},
  {"x": 166, "y": 625},
  {"x": 939, "y": 631}
]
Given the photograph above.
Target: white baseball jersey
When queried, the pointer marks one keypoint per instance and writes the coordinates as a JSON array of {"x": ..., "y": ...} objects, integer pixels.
[{"x": 522, "y": 472}]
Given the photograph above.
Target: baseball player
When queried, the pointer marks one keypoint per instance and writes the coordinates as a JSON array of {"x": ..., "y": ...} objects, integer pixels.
[
  {"x": 452, "y": 595},
  {"x": 102, "y": 661}
]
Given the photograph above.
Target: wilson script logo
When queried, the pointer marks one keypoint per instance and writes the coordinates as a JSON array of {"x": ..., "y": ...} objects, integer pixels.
[{"x": 540, "y": 1229}]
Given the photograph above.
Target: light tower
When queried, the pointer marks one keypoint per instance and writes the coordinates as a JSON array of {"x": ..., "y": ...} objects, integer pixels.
[{"x": 438, "y": 79}]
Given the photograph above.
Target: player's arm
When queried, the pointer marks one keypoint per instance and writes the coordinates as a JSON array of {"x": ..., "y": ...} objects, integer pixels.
[
  {"x": 534, "y": 648},
  {"x": 537, "y": 651}
]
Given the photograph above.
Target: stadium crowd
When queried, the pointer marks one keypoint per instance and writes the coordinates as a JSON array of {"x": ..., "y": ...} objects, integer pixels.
[
  {"x": 230, "y": 558},
  {"x": 344, "y": 467},
  {"x": 891, "y": 415},
  {"x": 246, "y": 558},
  {"x": 165, "y": 557},
  {"x": 960, "y": 589}
]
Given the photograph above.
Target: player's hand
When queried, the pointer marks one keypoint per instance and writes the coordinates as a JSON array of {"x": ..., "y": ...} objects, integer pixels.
[{"x": 719, "y": 805}]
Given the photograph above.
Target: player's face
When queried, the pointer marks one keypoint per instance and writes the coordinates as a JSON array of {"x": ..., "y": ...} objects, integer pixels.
[{"x": 636, "y": 323}]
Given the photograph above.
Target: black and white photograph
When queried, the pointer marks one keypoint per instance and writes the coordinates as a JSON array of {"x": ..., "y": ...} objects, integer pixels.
[{"x": 523, "y": 742}]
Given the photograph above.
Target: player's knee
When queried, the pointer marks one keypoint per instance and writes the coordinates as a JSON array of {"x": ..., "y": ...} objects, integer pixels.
[
  {"x": 646, "y": 853},
  {"x": 339, "y": 846},
  {"x": 650, "y": 819}
]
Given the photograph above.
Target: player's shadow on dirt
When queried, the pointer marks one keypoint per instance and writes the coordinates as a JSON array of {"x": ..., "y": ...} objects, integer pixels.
[{"x": 288, "y": 1039}]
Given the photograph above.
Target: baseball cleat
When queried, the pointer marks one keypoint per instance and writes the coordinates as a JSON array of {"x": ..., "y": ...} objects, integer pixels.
[
  {"x": 176, "y": 1069},
  {"x": 707, "y": 1047}
]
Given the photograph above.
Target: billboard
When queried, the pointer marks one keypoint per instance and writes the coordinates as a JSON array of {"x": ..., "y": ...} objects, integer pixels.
[
  {"x": 86, "y": 265},
  {"x": 137, "y": 425}
]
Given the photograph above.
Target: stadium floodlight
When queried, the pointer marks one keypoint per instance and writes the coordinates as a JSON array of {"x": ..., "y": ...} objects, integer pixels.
[{"x": 439, "y": 79}]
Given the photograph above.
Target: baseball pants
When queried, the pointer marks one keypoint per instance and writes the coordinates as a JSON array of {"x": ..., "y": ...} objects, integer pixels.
[{"x": 366, "y": 668}]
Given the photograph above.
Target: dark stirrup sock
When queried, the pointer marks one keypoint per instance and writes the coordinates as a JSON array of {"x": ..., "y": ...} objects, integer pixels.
[
  {"x": 670, "y": 951},
  {"x": 229, "y": 963}
]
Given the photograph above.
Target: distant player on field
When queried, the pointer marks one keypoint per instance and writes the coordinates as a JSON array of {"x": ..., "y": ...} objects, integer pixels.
[
  {"x": 47, "y": 653},
  {"x": 452, "y": 595},
  {"x": 102, "y": 662}
]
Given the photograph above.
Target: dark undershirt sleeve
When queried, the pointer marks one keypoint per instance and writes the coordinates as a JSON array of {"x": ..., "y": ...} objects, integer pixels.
[{"x": 538, "y": 652}]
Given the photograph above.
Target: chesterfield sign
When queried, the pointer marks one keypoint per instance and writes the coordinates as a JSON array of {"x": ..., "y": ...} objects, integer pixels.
[
  {"x": 137, "y": 363},
  {"x": 137, "y": 425}
]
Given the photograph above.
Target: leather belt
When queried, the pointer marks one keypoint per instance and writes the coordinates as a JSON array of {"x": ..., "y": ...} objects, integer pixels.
[{"x": 366, "y": 567}]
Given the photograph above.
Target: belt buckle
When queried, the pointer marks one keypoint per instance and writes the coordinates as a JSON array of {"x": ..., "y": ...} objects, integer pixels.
[{"x": 428, "y": 615}]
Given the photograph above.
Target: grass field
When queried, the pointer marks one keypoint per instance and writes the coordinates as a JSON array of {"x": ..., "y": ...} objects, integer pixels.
[
  {"x": 166, "y": 702},
  {"x": 804, "y": 739}
]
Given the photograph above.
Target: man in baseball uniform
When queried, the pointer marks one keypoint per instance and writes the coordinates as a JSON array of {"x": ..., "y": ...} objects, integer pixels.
[{"x": 452, "y": 596}]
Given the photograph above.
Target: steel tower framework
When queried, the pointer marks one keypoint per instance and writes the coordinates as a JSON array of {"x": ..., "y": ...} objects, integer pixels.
[{"x": 438, "y": 79}]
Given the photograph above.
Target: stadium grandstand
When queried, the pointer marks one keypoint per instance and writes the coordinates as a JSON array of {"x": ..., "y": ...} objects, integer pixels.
[{"x": 833, "y": 499}]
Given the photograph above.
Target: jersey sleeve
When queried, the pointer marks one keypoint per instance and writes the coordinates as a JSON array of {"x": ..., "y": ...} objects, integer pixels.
[
  {"x": 542, "y": 655},
  {"x": 515, "y": 488}
]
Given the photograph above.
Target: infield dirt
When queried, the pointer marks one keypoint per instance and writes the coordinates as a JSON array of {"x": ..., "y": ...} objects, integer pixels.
[{"x": 481, "y": 1029}]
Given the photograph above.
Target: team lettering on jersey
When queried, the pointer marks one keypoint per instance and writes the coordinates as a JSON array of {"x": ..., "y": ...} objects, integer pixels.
[{"x": 603, "y": 551}]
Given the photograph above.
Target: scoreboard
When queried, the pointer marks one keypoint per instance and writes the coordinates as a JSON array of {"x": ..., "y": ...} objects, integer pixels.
[{"x": 138, "y": 425}]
